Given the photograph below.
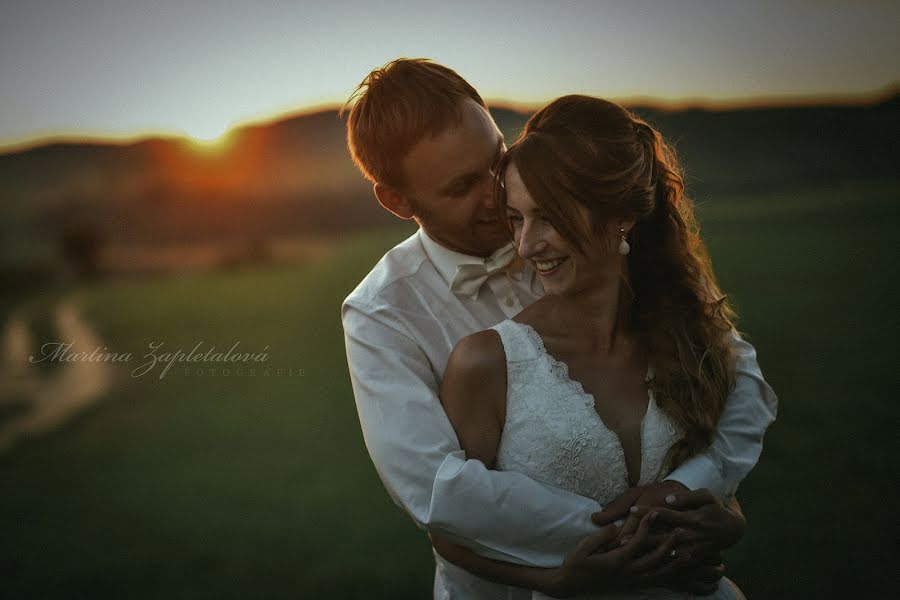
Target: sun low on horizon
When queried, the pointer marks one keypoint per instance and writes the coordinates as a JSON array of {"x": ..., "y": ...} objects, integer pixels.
[{"x": 207, "y": 134}]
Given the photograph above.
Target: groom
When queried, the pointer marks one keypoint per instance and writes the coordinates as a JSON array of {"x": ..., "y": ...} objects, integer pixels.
[{"x": 423, "y": 136}]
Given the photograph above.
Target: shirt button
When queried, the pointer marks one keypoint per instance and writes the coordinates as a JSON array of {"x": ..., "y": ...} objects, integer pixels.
[{"x": 508, "y": 302}]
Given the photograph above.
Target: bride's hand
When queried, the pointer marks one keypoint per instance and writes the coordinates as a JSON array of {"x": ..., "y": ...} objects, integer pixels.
[
  {"x": 653, "y": 494},
  {"x": 706, "y": 524},
  {"x": 621, "y": 509},
  {"x": 600, "y": 564}
]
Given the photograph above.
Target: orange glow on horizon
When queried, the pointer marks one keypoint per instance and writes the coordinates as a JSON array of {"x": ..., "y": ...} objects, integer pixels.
[
  {"x": 226, "y": 163},
  {"x": 215, "y": 140}
]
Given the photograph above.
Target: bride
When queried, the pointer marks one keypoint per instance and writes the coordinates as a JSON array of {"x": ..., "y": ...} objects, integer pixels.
[{"x": 620, "y": 372}]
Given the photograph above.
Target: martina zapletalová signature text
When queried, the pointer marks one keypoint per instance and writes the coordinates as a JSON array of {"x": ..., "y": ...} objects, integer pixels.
[{"x": 159, "y": 358}]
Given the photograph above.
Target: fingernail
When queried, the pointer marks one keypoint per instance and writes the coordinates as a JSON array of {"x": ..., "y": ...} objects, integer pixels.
[
  {"x": 633, "y": 509},
  {"x": 670, "y": 499},
  {"x": 618, "y": 523},
  {"x": 624, "y": 541}
]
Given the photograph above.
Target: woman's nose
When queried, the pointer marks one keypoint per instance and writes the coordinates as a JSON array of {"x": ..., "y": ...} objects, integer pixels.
[{"x": 529, "y": 240}]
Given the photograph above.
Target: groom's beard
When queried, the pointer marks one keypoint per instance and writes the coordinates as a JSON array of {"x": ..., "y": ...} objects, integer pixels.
[{"x": 473, "y": 236}]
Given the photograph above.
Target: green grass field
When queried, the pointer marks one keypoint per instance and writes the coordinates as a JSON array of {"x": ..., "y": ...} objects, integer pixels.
[{"x": 206, "y": 486}]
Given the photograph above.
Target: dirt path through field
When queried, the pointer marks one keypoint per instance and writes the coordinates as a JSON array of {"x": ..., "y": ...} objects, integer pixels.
[{"x": 44, "y": 402}]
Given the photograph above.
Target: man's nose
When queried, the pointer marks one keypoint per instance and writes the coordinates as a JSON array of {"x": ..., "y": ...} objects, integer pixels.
[{"x": 487, "y": 192}]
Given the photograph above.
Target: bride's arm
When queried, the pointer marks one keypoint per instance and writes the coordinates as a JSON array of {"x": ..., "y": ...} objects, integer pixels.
[{"x": 473, "y": 394}]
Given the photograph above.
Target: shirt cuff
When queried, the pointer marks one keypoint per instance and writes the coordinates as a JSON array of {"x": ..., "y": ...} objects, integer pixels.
[{"x": 701, "y": 472}]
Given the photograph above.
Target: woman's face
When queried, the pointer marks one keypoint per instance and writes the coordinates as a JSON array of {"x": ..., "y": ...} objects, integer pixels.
[{"x": 563, "y": 269}]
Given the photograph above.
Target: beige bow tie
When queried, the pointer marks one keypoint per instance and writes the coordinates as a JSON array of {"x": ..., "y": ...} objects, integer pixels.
[{"x": 469, "y": 278}]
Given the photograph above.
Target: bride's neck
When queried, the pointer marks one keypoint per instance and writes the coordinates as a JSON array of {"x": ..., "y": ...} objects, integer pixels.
[{"x": 603, "y": 314}]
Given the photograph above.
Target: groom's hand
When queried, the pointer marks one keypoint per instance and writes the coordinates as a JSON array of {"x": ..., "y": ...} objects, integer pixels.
[
  {"x": 601, "y": 564},
  {"x": 704, "y": 527}
]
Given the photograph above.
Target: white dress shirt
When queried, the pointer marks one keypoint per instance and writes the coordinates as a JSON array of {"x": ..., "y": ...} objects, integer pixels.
[{"x": 400, "y": 325}]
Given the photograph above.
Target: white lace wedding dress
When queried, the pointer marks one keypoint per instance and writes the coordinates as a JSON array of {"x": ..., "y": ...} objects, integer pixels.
[{"x": 554, "y": 435}]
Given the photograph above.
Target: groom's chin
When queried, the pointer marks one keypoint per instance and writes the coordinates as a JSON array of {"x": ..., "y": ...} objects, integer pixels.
[{"x": 495, "y": 232}]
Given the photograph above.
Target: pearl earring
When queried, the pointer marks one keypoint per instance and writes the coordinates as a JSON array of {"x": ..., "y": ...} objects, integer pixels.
[{"x": 624, "y": 248}]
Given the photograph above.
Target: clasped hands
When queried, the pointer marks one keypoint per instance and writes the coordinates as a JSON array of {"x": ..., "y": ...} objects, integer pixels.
[{"x": 662, "y": 535}]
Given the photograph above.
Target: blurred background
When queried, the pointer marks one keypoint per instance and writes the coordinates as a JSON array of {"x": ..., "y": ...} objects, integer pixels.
[{"x": 175, "y": 182}]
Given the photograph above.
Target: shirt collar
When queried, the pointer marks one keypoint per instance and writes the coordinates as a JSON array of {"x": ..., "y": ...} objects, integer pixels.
[{"x": 446, "y": 261}]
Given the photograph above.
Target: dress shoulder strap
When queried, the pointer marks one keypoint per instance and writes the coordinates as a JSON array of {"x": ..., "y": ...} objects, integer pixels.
[{"x": 518, "y": 341}]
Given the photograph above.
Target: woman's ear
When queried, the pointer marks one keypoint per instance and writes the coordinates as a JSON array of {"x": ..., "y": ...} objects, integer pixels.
[
  {"x": 615, "y": 228},
  {"x": 392, "y": 200}
]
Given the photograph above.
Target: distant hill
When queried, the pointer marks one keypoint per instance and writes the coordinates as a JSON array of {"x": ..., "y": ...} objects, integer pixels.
[
  {"x": 294, "y": 176},
  {"x": 762, "y": 149}
]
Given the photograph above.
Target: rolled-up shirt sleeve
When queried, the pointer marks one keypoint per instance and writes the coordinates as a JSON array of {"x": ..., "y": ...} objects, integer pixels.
[
  {"x": 737, "y": 443},
  {"x": 500, "y": 514}
]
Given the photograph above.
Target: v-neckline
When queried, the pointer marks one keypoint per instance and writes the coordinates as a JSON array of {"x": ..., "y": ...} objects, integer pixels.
[{"x": 561, "y": 370}]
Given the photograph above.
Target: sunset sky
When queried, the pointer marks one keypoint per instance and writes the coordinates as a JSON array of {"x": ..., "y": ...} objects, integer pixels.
[{"x": 126, "y": 68}]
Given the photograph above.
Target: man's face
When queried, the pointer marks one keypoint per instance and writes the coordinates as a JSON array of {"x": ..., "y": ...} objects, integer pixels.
[{"x": 449, "y": 183}]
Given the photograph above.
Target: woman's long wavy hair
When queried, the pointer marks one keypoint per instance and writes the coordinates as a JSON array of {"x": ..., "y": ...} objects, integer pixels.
[{"x": 585, "y": 151}]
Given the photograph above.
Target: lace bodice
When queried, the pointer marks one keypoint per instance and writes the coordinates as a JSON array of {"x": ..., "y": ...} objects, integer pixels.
[{"x": 553, "y": 433}]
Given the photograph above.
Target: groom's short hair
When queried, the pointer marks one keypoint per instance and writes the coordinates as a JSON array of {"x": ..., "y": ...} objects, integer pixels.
[{"x": 398, "y": 105}]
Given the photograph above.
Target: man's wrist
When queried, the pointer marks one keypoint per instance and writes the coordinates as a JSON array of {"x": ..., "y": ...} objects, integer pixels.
[
  {"x": 700, "y": 471},
  {"x": 737, "y": 529}
]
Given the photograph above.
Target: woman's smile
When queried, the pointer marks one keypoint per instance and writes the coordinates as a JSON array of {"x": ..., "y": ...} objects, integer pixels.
[{"x": 549, "y": 266}]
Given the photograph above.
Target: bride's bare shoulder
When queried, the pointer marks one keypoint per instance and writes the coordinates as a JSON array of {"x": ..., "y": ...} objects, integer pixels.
[
  {"x": 473, "y": 394},
  {"x": 478, "y": 355}
]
